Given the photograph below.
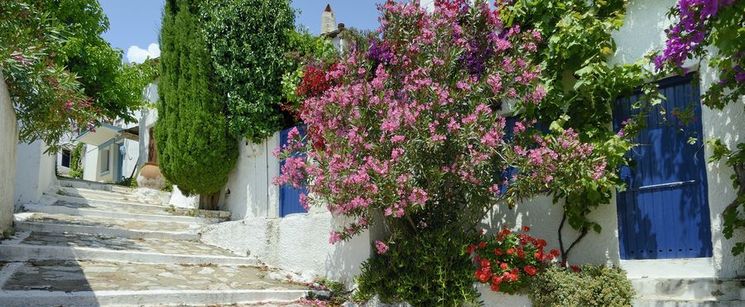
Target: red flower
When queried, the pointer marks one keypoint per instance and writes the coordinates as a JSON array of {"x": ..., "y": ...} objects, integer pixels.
[
  {"x": 521, "y": 253},
  {"x": 504, "y": 266},
  {"x": 483, "y": 277},
  {"x": 482, "y": 244},
  {"x": 510, "y": 251},
  {"x": 541, "y": 243},
  {"x": 471, "y": 248},
  {"x": 575, "y": 268},
  {"x": 505, "y": 232},
  {"x": 495, "y": 287},
  {"x": 485, "y": 263},
  {"x": 498, "y": 251},
  {"x": 526, "y": 228},
  {"x": 555, "y": 253},
  {"x": 496, "y": 279},
  {"x": 530, "y": 270}
]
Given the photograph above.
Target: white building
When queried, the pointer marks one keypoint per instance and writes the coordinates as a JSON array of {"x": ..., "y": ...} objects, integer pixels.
[
  {"x": 667, "y": 226},
  {"x": 114, "y": 152}
]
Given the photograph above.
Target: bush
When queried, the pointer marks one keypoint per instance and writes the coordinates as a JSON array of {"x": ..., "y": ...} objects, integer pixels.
[
  {"x": 247, "y": 41},
  {"x": 509, "y": 260},
  {"x": 431, "y": 269},
  {"x": 591, "y": 286},
  {"x": 76, "y": 165}
]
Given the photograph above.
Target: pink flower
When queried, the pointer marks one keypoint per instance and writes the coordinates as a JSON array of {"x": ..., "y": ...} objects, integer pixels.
[
  {"x": 334, "y": 237},
  {"x": 381, "y": 247},
  {"x": 398, "y": 138}
]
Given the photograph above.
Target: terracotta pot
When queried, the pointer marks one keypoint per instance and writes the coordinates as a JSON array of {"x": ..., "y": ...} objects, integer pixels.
[
  {"x": 150, "y": 177},
  {"x": 150, "y": 171}
]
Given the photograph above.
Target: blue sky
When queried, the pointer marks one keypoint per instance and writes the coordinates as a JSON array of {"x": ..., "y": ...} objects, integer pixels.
[{"x": 135, "y": 24}]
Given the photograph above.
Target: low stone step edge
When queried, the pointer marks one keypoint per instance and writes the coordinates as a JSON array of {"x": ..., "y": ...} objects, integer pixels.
[
  {"x": 87, "y": 201},
  {"x": 151, "y": 297},
  {"x": 27, "y": 252},
  {"x": 105, "y": 231},
  {"x": 54, "y": 209}
]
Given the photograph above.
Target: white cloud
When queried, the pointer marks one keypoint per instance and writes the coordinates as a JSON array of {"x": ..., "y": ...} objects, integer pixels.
[{"x": 135, "y": 54}]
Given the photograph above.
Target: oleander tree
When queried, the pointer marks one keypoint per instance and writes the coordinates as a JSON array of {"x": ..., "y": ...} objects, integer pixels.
[
  {"x": 61, "y": 74},
  {"x": 407, "y": 134}
]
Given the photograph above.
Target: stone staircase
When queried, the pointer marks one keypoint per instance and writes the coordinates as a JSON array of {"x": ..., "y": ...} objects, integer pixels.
[
  {"x": 682, "y": 282},
  {"x": 90, "y": 244}
]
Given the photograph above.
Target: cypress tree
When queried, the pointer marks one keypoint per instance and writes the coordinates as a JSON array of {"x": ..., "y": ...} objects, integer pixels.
[{"x": 195, "y": 150}]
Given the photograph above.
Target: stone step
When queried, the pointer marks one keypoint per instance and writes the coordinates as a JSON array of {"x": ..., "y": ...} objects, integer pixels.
[
  {"x": 133, "y": 229},
  {"x": 27, "y": 246},
  {"x": 79, "y": 183},
  {"x": 143, "y": 197},
  {"x": 115, "y": 212},
  {"x": 89, "y": 201},
  {"x": 689, "y": 289},
  {"x": 75, "y": 283}
]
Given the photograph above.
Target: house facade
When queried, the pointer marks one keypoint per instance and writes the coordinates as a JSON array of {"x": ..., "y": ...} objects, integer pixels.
[{"x": 116, "y": 151}]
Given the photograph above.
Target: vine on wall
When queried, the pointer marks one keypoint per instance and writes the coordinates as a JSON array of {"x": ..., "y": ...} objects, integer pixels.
[{"x": 718, "y": 24}]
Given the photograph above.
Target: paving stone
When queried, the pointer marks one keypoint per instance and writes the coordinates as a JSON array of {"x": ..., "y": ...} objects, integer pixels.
[
  {"x": 100, "y": 276},
  {"x": 110, "y": 223}
]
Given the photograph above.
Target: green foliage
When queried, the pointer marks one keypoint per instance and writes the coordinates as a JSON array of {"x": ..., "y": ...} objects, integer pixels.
[
  {"x": 195, "y": 149},
  {"x": 61, "y": 74},
  {"x": 592, "y": 286},
  {"x": 304, "y": 49},
  {"x": 733, "y": 215},
  {"x": 247, "y": 41},
  {"x": 428, "y": 269},
  {"x": 76, "y": 165}
]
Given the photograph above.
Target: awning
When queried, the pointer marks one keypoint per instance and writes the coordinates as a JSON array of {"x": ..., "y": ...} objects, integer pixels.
[{"x": 100, "y": 135}]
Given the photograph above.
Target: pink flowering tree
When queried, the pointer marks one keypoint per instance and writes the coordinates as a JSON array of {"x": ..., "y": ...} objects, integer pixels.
[
  {"x": 413, "y": 123},
  {"x": 409, "y": 135}
]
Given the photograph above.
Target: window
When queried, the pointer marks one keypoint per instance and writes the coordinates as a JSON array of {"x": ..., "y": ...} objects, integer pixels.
[
  {"x": 105, "y": 160},
  {"x": 65, "y": 158}
]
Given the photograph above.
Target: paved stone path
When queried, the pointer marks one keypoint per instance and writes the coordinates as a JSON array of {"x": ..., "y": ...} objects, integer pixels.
[{"x": 112, "y": 246}]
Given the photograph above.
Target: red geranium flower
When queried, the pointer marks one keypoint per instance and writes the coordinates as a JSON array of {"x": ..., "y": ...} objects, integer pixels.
[{"x": 530, "y": 270}]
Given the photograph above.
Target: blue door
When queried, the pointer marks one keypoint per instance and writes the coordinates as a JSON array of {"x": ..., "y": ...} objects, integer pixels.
[
  {"x": 289, "y": 197},
  {"x": 664, "y": 213}
]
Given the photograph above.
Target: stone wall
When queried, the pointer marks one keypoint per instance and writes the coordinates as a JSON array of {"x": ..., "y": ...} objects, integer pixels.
[{"x": 8, "y": 140}]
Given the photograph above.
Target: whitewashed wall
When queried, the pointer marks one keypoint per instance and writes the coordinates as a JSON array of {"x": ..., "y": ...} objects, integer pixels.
[
  {"x": 297, "y": 242},
  {"x": 90, "y": 163},
  {"x": 34, "y": 172},
  {"x": 252, "y": 193},
  {"x": 642, "y": 32},
  {"x": 8, "y": 140}
]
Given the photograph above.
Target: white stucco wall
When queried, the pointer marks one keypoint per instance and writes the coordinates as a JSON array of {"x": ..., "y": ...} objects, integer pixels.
[
  {"x": 8, "y": 140},
  {"x": 252, "y": 193},
  {"x": 34, "y": 172},
  {"x": 179, "y": 200},
  {"x": 296, "y": 243},
  {"x": 90, "y": 163},
  {"x": 131, "y": 156}
]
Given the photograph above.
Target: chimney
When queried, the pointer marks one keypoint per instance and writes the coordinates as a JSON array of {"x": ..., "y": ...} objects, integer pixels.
[{"x": 328, "y": 20}]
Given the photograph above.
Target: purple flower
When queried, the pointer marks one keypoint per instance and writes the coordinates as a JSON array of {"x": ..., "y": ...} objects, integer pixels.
[{"x": 380, "y": 52}]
